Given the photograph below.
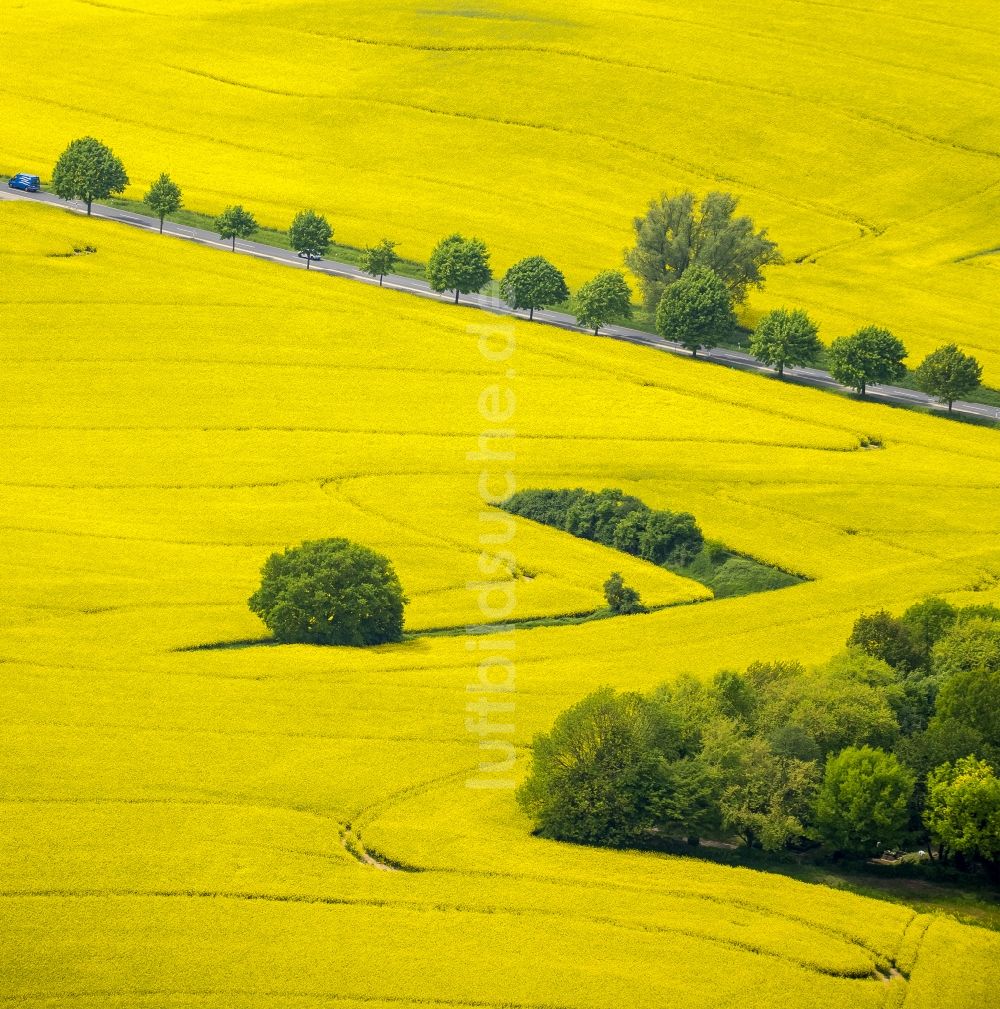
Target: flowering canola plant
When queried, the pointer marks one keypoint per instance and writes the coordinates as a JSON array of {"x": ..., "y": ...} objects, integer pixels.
[
  {"x": 856, "y": 136},
  {"x": 210, "y": 828}
]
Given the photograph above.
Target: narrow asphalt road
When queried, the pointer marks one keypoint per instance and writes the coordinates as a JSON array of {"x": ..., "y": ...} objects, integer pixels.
[{"x": 732, "y": 358}]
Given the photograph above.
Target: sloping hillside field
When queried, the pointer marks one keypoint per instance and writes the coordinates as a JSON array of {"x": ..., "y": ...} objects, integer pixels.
[
  {"x": 855, "y": 132},
  {"x": 261, "y": 827}
]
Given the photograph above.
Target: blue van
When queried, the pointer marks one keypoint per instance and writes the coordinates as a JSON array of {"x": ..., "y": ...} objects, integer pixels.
[{"x": 25, "y": 182}]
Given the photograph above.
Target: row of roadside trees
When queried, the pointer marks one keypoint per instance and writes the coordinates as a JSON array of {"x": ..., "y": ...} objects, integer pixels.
[
  {"x": 696, "y": 263},
  {"x": 89, "y": 170},
  {"x": 697, "y": 307}
]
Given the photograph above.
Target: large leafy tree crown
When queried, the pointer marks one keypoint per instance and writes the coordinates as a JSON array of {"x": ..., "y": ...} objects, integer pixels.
[
  {"x": 330, "y": 592},
  {"x": 88, "y": 170}
]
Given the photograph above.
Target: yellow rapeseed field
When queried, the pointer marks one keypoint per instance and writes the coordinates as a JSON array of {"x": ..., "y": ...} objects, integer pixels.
[
  {"x": 856, "y": 132},
  {"x": 210, "y": 828}
]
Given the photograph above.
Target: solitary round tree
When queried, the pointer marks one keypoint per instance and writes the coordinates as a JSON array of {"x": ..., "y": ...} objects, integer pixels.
[
  {"x": 330, "y": 592},
  {"x": 310, "y": 235},
  {"x": 868, "y": 357},
  {"x": 88, "y": 170},
  {"x": 602, "y": 300},
  {"x": 459, "y": 264},
  {"x": 783, "y": 338},
  {"x": 235, "y": 222},
  {"x": 533, "y": 283},
  {"x": 164, "y": 197},
  {"x": 378, "y": 260},
  {"x": 948, "y": 374},
  {"x": 696, "y": 311}
]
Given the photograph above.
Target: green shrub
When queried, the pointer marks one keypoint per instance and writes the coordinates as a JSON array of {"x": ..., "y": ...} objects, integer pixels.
[{"x": 620, "y": 597}]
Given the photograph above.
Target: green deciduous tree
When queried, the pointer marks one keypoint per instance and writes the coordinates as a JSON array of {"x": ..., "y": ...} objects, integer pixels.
[
  {"x": 164, "y": 197},
  {"x": 88, "y": 170},
  {"x": 785, "y": 339},
  {"x": 670, "y": 538},
  {"x": 235, "y": 222},
  {"x": 944, "y": 740},
  {"x": 886, "y": 637},
  {"x": 963, "y": 809},
  {"x": 459, "y": 264},
  {"x": 763, "y": 797},
  {"x": 675, "y": 234},
  {"x": 871, "y": 356},
  {"x": 621, "y": 598},
  {"x": 596, "y": 516},
  {"x": 310, "y": 235},
  {"x": 533, "y": 283},
  {"x": 835, "y": 706},
  {"x": 378, "y": 260},
  {"x": 967, "y": 662},
  {"x": 330, "y": 592},
  {"x": 604, "y": 299},
  {"x": 593, "y": 778},
  {"x": 863, "y": 804},
  {"x": 696, "y": 311},
  {"x": 948, "y": 374},
  {"x": 928, "y": 622}
]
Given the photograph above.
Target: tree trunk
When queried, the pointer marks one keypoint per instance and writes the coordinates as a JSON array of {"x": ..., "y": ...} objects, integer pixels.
[
  {"x": 781, "y": 369},
  {"x": 456, "y": 295},
  {"x": 864, "y": 388},
  {"x": 694, "y": 351},
  {"x": 234, "y": 243},
  {"x": 381, "y": 277},
  {"x": 596, "y": 328},
  {"x": 531, "y": 314},
  {"x": 308, "y": 262},
  {"x": 89, "y": 203},
  {"x": 161, "y": 224},
  {"x": 950, "y": 402}
]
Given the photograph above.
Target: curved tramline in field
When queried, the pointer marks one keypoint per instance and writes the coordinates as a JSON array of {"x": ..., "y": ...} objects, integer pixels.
[{"x": 199, "y": 827}]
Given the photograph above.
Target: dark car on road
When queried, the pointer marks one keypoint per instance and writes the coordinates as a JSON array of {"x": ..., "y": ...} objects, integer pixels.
[{"x": 28, "y": 183}]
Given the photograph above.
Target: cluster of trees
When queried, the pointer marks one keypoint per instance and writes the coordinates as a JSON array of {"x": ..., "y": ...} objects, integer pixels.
[
  {"x": 330, "y": 592},
  {"x": 695, "y": 262},
  {"x": 615, "y": 519},
  {"x": 670, "y": 539},
  {"x": 895, "y": 742}
]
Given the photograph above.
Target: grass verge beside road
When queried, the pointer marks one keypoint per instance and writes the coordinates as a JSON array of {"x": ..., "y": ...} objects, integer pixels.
[{"x": 337, "y": 253}]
